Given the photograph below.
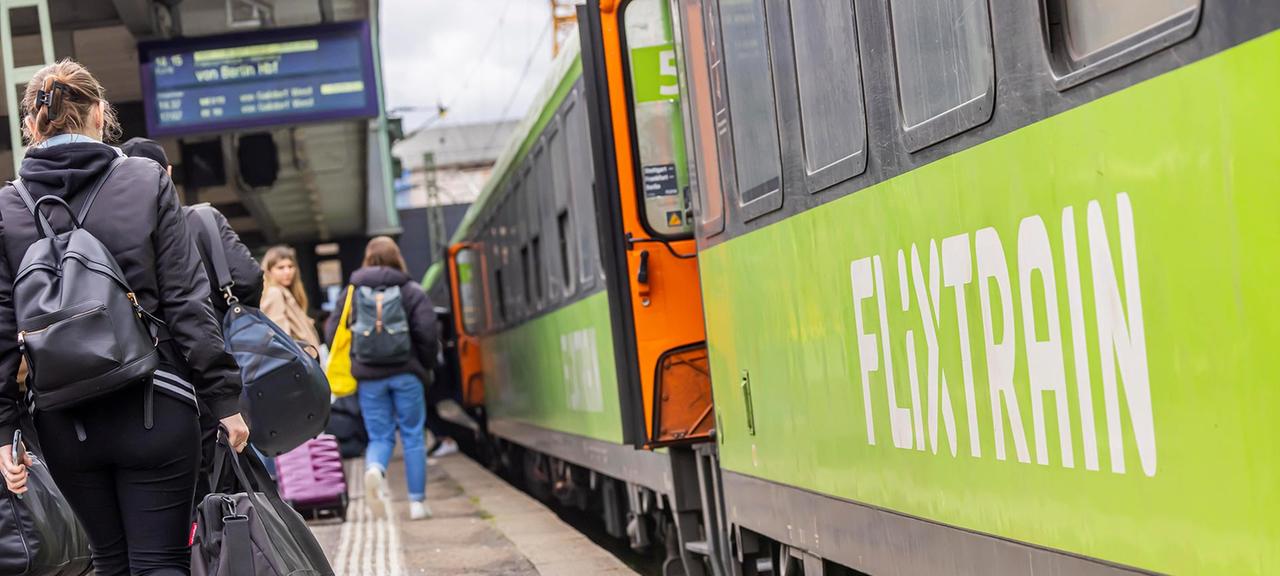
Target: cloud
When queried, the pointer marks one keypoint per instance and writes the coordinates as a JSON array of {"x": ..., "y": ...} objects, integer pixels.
[{"x": 467, "y": 55}]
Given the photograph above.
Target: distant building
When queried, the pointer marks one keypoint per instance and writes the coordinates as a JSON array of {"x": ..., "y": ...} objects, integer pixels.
[{"x": 464, "y": 157}]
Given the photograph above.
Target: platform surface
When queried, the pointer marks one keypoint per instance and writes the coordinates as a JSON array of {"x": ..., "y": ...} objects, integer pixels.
[{"x": 481, "y": 525}]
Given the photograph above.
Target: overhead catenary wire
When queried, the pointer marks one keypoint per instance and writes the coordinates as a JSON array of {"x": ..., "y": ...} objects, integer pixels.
[
  {"x": 524, "y": 73},
  {"x": 484, "y": 55},
  {"x": 520, "y": 85}
]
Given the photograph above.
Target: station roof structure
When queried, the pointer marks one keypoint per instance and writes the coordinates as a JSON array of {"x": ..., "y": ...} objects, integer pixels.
[{"x": 333, "y": 179}]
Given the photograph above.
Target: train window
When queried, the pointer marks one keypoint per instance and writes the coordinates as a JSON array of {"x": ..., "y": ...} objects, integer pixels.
[
  {"x": 465, "y": 266},
  {"x": 502, "y": 295},
  {"x": 583, "y": 178},
  {"x": 535, "y": 247},
  {"x": 752, "y": 102},
  {"x": 832, "y": 120},
  {"x": 699, "y": 53},
  {"x": 562, "y": 237},
  {"x": 1091, "y": 37},
  {"x": 946, "y": 71},
  {"x": 561, "y": 176},
  {"x": 662, "y": 161},
  {"x": 526, "y": 270}
]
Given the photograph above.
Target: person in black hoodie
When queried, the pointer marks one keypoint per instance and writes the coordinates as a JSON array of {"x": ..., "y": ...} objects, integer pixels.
[
  {"x": 130, "y": 486},
  {"x": 391, "y": 396}
]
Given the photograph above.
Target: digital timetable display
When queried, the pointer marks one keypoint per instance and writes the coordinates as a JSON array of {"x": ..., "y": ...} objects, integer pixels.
[{"x": 267, "y": 78}]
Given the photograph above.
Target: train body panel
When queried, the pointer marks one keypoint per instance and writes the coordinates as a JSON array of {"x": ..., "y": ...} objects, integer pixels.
[
  {"x": 1093, "y": 294},
  {"x": 557, "y": 372}
]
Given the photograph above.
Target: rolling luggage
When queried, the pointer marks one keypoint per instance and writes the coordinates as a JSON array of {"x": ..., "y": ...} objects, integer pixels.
[{"x": 311, "y": 479}]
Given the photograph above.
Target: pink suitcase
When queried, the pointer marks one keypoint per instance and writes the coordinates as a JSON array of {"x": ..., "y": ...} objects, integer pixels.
[{"x": 311, "y": 478}]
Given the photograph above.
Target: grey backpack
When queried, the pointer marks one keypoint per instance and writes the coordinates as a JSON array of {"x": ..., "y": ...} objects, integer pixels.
[
  {"x": 380, "y": 331},
  {"x": 79, "y": 324}
]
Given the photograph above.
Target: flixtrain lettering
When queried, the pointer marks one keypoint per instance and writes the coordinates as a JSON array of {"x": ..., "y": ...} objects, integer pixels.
[{"x": 944, "y": 397}]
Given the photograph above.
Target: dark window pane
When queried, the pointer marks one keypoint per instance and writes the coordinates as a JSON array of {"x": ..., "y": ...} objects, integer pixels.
[{"x": 752, "y": 107}]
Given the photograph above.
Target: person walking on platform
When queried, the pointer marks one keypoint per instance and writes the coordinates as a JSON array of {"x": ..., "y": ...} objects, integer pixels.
[
  {"x": 244, "y": 268},
  {"x": 284, "y": 300},
  {"x": 391, "y": 369},
  {"x": 245, "y": 272},
  {"x": 126, "y": 460}
]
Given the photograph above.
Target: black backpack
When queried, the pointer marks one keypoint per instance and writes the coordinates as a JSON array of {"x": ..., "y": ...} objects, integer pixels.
[
  {"x": 79, "y": 324},
  {"x": 380, "y": 332},
  {"x": 286, "y": 395}
]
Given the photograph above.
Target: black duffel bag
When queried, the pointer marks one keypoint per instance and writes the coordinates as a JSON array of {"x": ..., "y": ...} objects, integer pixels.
[
  {"x": 252, "y": 532},
  {"x": 286, "y": 394},
  {"x": 39, "y": 535}
]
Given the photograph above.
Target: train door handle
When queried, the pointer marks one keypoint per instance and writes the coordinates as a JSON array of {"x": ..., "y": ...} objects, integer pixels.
[{"x": 642, "y": 276}]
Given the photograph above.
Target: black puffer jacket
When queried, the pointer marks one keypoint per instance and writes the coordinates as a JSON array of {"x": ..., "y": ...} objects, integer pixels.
[
  {"x": 137, "y": 217},
  {"x": 423, "y": 331}
]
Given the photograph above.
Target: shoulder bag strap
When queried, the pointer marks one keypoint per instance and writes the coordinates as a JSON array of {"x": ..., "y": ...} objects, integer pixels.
[
  {"x": 97, "y": 187},
  {"x": 213, "y": 248}
]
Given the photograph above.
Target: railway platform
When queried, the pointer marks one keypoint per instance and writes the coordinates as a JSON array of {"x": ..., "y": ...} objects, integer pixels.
[{"x": 481, "y": 525}]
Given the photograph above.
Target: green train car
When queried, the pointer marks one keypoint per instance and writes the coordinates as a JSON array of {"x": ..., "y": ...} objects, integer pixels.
[
  {"x": 985, "y": 285},
  {"x": 535, "y": 337},
  {"x": 993, "y": 280}
]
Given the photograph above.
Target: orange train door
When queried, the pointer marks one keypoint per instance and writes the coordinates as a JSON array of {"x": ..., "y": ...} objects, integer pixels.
[
  {"x": 642, "y": 195},
  {"x": 466, "y": 273}
]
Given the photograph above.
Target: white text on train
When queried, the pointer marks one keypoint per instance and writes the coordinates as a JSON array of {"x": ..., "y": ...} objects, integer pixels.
[{"x": 1119, "y": 339}]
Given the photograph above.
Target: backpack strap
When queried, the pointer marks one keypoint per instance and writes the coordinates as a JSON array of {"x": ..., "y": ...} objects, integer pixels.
[
  {"x": 97, "y": 187},
  {"x": 45, "y": 229},
  {"x": 33, "y": 206},
  {"x": 212, "y": 238}
]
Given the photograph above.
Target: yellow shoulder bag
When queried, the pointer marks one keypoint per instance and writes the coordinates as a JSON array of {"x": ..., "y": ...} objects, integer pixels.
[{"x": 341, "y": 382}]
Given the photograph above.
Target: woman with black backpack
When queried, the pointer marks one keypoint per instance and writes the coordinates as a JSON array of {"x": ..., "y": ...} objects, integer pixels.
[
  {"x": 116, "y": 414},
  {"x": 394, "y": 341}
]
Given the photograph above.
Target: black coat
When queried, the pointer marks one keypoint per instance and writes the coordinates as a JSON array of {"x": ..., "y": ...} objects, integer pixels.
[
  {"x": 424, "y": 332},
  {"x": 245, "y": 271},
  {"x": 138, "y": 218}
]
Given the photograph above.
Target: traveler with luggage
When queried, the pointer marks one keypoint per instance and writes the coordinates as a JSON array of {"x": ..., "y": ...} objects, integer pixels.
[
  {"x": 393, "y": 330},
  {"x": 245, "y": 272},
  {"x": 111, "y": 310},
  {"x": 284, "y": 299},
  {"x": 244, "y": 268}
]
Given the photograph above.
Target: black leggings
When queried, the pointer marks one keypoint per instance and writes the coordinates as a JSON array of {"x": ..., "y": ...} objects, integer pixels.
[{"x": 130, "y": 487}]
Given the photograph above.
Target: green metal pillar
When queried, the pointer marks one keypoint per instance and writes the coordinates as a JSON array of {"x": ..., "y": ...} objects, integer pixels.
[{"x": 15, "y": 76}]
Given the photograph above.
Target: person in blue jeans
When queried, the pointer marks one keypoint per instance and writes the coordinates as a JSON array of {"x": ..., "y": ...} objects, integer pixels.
[{"x": 390, "y": 387}]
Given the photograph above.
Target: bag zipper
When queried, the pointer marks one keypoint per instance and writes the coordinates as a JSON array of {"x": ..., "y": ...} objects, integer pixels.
[{"x": 22, "y": 334}]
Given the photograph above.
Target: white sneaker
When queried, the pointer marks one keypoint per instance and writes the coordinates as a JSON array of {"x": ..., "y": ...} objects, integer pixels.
[
  {"x": 375, "y": 492},
  {"x": 419, "y": 511},
  {"x": 447, "y": 446}
]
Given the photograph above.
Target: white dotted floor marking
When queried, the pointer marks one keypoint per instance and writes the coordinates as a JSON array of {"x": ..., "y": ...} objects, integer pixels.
[{"x": 367, "y": 546}]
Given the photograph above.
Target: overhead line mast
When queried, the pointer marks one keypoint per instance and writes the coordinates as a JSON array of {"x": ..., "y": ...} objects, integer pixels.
[{"x": 564, "y": 20}]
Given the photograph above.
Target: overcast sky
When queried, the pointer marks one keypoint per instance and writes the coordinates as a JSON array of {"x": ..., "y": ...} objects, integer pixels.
[{"x": 466, "y": 54}]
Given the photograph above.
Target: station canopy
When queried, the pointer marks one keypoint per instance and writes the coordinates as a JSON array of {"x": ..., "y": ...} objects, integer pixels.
[{"x": 268, "y": 109}]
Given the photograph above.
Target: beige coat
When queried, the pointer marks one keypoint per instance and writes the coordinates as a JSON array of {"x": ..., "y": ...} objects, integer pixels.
[{"x": 283, "y": 309}]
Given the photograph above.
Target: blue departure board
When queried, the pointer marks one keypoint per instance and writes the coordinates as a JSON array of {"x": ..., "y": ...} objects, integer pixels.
[{"x": 256, "y": 79}]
